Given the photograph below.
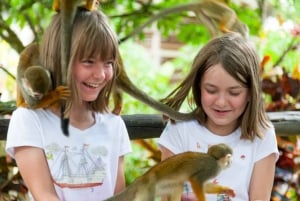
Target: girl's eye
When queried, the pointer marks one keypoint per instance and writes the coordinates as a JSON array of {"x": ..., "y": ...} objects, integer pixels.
[
  {"x": 210, "y": 91},
  {"x": 234, "y": 93},
  {"x": 109, "y": 63},
  {"x": 87, "y": 61}
]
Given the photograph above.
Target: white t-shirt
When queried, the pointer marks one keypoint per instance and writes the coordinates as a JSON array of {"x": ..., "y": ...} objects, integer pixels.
[
  {"x": 84, "y": 164},
  {"x": 191, "y": 136}
]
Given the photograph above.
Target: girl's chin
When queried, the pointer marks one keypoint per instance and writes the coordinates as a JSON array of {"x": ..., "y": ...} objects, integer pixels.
[
  {"x": 89, "y": 99},
  {"x": 220, "y": 121}
]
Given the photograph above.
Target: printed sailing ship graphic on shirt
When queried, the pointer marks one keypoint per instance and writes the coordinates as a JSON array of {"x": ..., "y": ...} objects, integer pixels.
[
  {"x": 76, "y": 168},
  {"x": 223, "y": 197}
]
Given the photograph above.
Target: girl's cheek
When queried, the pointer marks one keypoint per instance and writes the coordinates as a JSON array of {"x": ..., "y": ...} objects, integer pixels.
[
  {"x": 206, "y": 97},
  {"x": 109, "y": 74}
]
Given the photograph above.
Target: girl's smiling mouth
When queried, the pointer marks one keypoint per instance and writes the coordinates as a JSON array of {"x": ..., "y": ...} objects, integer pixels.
[{"x": 91, "y": 85}]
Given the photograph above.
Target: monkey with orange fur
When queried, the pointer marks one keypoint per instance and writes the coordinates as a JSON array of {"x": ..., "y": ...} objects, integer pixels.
[
  {"x": 167, "y": 177},
  {"x": 34, "y": 84}
]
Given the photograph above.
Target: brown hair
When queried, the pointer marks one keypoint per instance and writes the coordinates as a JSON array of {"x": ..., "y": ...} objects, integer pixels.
[
  {"x": 91, "y": 36},
  {"x": 239, "y": 58}
]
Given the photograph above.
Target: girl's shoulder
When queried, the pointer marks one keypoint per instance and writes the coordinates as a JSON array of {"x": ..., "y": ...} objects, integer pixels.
[
  {"x": 108, "y": 117},
  {"x": 268, "y": 133},
  {"x": 192, "y": 124},
  {"x": 26, "y": 112},
  {"x": 30, "y": 115}
]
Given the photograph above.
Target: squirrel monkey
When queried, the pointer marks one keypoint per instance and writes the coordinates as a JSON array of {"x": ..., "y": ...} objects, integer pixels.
[
  {"x": 68, "y": 9},
  {"x": 122, "y": 81},
  {"x": 225, "y": 17},
  {"x": 167, "y": 177},
  {"x": 34, "y": 84},
  {"x": 209, "y": 12}
]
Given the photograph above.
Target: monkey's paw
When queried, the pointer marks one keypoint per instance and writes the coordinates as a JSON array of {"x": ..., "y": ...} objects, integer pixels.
[
  {"x": 63, "y": 92},
  {"x": 228, "y": 191}
]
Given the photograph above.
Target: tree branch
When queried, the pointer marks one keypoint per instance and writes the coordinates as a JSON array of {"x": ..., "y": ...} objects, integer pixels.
[{"x": 290, "y": 47}]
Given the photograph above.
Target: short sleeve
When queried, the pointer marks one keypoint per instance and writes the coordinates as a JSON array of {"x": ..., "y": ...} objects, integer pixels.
[
  {"x": 125, "y": 141},
  {"x": 171, "y": 138},
  {"x": 24, "y": 130},
  {"x": 267, "y": 145}
]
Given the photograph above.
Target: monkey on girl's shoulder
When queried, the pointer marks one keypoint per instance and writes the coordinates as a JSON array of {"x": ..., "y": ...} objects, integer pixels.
[{"x": 34, "y": 83}]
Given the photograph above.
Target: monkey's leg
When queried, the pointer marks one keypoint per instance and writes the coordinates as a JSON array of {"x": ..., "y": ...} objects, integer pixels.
[
  {"x": 216, "y": 189},
  {"x": 176, "y": 193},
  {"x": 146, "y": 189},
  {"x": 198, "y": 189}
]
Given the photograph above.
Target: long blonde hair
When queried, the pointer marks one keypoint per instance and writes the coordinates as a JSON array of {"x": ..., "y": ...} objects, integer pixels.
[
  {"x": 91, "y": 36},
  {"x": 239, "y": 58}
]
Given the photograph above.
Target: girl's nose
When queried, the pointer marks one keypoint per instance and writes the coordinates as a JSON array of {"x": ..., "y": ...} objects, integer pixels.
[
  {"x": 221, "y": 100},
  {"x": 99, "y": 71}
]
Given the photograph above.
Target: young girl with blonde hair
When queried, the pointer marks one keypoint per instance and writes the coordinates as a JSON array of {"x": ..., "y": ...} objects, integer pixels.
[
  {"x": 87, "y": 164},
  {"x": 226, "y": 91}
]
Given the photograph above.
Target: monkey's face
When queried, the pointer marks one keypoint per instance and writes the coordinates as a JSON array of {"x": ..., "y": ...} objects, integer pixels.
[
  {"x": 222, "y": 153},
  {"x": 36, "y": 82},
  {"x": 30, "y": 91},
  {"x": 225, "y": 162}
]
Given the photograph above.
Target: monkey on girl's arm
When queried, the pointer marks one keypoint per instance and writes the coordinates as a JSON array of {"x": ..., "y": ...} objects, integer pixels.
[
  {"x": 167, "y": 177},
  {"x": 34, "y": 84}
]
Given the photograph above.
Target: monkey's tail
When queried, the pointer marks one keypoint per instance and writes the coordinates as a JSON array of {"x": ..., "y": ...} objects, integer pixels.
[
  {"x": 126, "y": 85},
  {"x": 64, "y": 120},
  {"x": 68, "y": 11}
]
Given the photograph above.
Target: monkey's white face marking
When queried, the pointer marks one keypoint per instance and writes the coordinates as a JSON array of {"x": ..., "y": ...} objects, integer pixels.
[
  {"x": 27, "y": 87},
  {"x": 229, "y": 159},
  {"x": 226, "y": 161}
]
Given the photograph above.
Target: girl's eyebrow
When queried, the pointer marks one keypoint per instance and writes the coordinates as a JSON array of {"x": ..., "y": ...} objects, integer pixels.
[
  {"x": 237, "y": 87},
  {"x": 232, "y": 87}
]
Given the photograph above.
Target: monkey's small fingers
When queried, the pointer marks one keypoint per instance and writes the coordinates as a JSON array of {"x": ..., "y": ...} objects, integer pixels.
[
  {"x": 66, "y": 93},
  {"x": 63, "y": 92},
  {"x": 230, "y": 192},
  {"x": 62, "y": 88}
]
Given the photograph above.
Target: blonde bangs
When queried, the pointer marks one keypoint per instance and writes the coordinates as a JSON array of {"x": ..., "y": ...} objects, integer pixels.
[{"x": 95, "y": 38}]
